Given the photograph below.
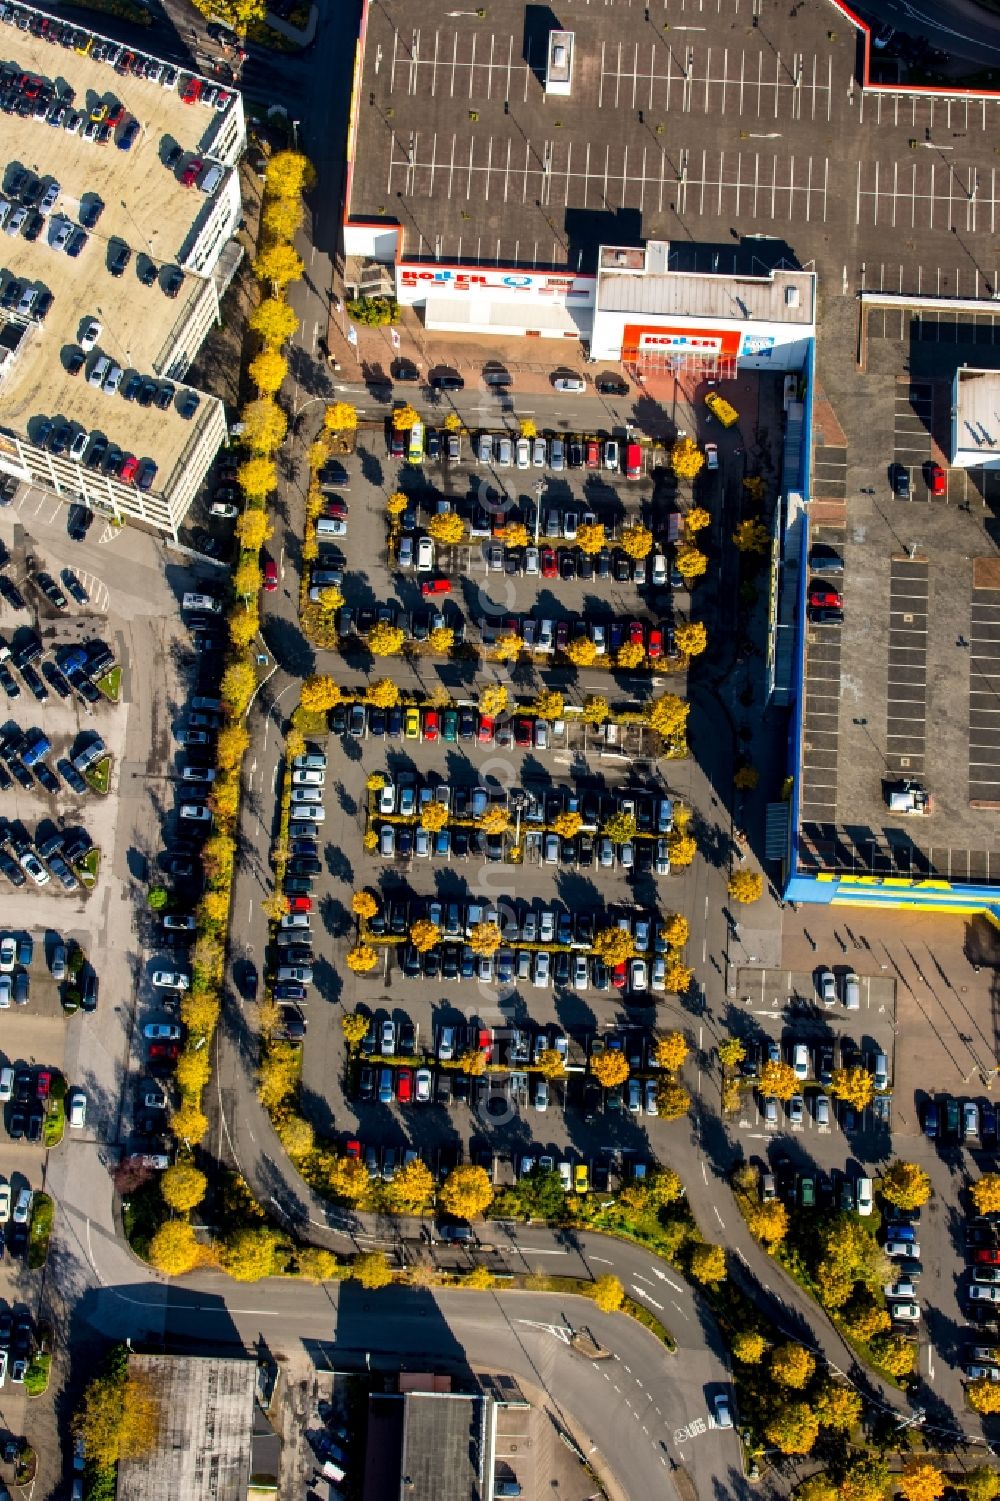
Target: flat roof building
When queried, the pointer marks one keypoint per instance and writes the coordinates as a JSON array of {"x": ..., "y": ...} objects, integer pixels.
[
  {"x": 145, "y": 186},
  {"x": 205, "y": 1442},
  {"x": 975, "y": 417}
]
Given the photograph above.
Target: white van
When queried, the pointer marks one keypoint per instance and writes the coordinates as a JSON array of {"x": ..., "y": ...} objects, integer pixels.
[
  {"x": 864, "y": 1195},
  {"x": 881, "y": 1071},
  {"x": 211, "y": 177},
  {"x": 202, "y": 602}
]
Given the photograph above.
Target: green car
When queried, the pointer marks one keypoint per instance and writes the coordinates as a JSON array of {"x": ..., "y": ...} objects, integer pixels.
[
  {"x": 449, "y": 725},
  {"x": 807, "y": 1193}
]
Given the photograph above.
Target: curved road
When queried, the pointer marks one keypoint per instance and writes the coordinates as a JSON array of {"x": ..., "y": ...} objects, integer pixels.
[{"x": 640, "y": 1410}]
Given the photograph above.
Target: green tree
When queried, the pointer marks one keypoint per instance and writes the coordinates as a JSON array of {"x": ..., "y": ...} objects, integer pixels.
[
  {"x": 793, "y": 1427},
  {"x": 867, "y": 1479},
  {"x": 817, "y": 1487},
  {"x": 157, "y": 898},
  {"x": 731, "y": 1052},
  {"x": 981, "y": 1484}
]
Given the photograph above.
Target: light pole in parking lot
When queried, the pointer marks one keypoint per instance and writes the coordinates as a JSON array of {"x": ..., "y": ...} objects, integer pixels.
[{"x": 539, "y": 488}]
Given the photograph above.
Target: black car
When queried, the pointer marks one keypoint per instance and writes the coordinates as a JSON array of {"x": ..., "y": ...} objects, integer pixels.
[
  {"x": 446, "y": 381},
  {"x": 621, "y": 568},
  {"x": 567, "y": 563},
  {"x": 11, "y": 593},
  {"x": 8, "y": 682},
  {"x": 33, "y": 1129},
  {"x": 89, "y": 989},
  {"x": 611, "y": 385},
  {"x": 10, "y": 868},
  {"x": 899, "y": 478},
  {"x": 119, "y": 255},
  {"x": 47, "y": 584},
  {"x": 366, "y": 1083},
  {"x": 91, "y": 209},
  {"x": 47, "y": 777},
  {"x": 75, "y": 361}
]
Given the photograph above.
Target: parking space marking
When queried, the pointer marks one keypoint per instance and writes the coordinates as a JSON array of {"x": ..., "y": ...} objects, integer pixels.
[
  {"x": 926, "y": 194},
  {"x": 984, "y": 697},
  {"x": 906, "y": 690},
  {"x": 780, "y": 189}
]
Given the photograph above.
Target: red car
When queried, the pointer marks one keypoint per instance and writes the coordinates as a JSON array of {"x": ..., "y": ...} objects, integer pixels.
[
  {"x": 130, "y": 469},
  {"x": 336, "y": 508},
  {"x": 270, "y": 575},
  {"x": 43, "y": 1084},
  {"x": 115, "y": 114},
  {"x": 397, "y": 443},
  {"x": 592, "y": 454},
  {"x": 550, "y": 565},
  {"x": 191, "y": 92},
  {"x": 654, "y": 646},
  {"x": 169, "y": 1051},
  {"x": 523, "y": 732},
  {"x": 431, "y": 724},
  {"x": 435, "y": 586},
  {"x": 486, "y": 1042},
  {"x": 404, "y": 1086},
  {"x": 938, "y": 479},
  {"x": 619, "y": 975},
  {"x": 300, "y": 904},
  {"x": 987, "y": 1256},
  {"x": 352, "y": 1150},
  {"x": 821, "y": 598},
  {"x": 487, "y": 726},
  {"x": 191, "y": 174},
  {"x": 636, "y": 634}
]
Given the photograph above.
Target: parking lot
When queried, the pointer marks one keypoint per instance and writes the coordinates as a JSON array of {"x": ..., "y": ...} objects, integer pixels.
[
  {"x": 868, "y": 712},
  {"x": 546, "y": 589}
]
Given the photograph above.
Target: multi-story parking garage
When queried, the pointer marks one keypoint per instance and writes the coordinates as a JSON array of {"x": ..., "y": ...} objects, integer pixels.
[{"x": 122, "y": 194}]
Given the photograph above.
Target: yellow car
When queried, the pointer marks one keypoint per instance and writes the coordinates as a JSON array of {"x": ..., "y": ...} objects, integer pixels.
[
  {"x": 581, "y": 1178},
  {"x": 99, "y": 112},
  {"x": 411, "y": 727}
]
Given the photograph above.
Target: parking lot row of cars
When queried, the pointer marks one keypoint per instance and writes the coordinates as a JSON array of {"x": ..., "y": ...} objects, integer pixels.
[
  {"x": 53, "y": 851},
  {"x": 504, "y": 450},
  {"x": 406, "y": 794}
]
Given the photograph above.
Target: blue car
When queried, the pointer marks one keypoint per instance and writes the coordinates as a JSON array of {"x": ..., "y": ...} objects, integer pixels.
[
  {"x": 931, "y": 1122},
  {"x": 901, "y": 1232}
]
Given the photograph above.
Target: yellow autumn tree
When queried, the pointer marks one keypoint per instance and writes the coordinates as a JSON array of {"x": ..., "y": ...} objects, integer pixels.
[
  {"x": 280, "y": 264},
  {"x": 267, "y": 371},
  {"x": 274, "y": 321},
  {"x": 340, "y": 417},
  {"x": 686, "y": 458},
  {"x": 691, "y": 638}
]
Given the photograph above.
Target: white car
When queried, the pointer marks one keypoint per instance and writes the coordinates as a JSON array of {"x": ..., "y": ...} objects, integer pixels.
[
  {"x": 827, "y": 987},
  {"x": 611, "y": 455},
  {"x": 566, "y": 1177},
  {"x": 905, "y": 1313},
  {"x": 4, "y": 1203},
  {"x": 908, "y": 1248},
  {"x": 310, "y": 776},
  {"x": 504, "y": 453},
  {"x": 92, "y": 331},
  {"x": 8, "y": 954},
  {"x": 903, "y": 1287},
  {"x": 6, "y": 992},
  {"x": 196, "y": 812},
  {"x": 198, "y": 774},
  {"x": 570, "y": 383},
  {"x": 162, "y": 1032},
  {"x": 523, "y": 453},
  {"x": 659, "y": 572},
  {"x": 422, "y": 1081},
  {"x": 539, "y": 453},
  {"x": 307, "y": 794},
  {"x": 651, "y": 1106},
  {"x": 637, "y": 974},
  {"x": 723, "y": 1414},
  {"x": 532, "y": 562},
  {"x": 22, "y": 1208},
  {"x": 800, "y": 1060},
  {"x": 171, "y": 979},
  {"x": 542, "y": 1094},
  {"x": 711, "y": 455},
  {"x": 76, "y": 1109},
  {"x": 425, "y": 555}
]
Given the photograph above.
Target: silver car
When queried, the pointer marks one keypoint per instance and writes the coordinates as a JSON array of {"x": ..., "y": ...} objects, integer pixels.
[
  {"x": 484, "y": 452},
  {"x": 539, "y": 453},
  {"x": 504, "y": 453}
]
